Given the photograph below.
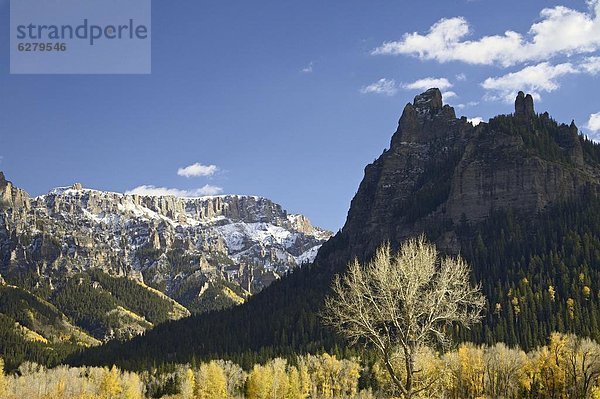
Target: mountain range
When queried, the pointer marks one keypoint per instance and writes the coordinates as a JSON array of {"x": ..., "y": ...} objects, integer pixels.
[
  {"x": 155, "y": 278},
  {"x": 516, "y": 196},
  {"x": 82, "y": 266}
]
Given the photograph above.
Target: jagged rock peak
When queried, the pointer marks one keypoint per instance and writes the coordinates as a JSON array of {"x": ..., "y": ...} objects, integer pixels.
[
  {"x": 2, "y": 179},
  {"x": 423, "y": 120},
  {"x": 429, "y": 100},
  {"x": 62, "y": 190},
  {"x": 524, "y": 106},
  {"x": 573, "y": 127}
]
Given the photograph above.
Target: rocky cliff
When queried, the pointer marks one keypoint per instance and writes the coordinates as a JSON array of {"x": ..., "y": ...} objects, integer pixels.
[
  {"x": 441, "y": 170},
  {"x": 204, "y": 253},
  {"x": 516, "y": 196}
]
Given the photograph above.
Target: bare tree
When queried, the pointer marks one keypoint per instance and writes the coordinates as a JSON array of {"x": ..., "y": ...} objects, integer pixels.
[{"x": 398, "y": 303}]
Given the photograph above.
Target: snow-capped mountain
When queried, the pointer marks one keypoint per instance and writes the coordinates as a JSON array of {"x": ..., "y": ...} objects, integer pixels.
[{"x": 180, "y": 246}]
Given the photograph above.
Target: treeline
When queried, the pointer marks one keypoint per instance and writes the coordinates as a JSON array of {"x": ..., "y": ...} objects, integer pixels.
[
  {"x": 17, "y": 347},
  {"x": 538, "y": 275},
  {"x": 566, "y": 367},
  {"x": 89, "y": 298},
  {"x": 309, "y": 376},
  {"x": 43, "y": 325}
]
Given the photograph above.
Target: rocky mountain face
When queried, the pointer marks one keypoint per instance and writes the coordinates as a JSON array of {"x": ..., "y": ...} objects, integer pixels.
[
  {"x": 441, "y": 170},
  {"x": 200, "y": 253},
  {"x": 517, "y": 197}
]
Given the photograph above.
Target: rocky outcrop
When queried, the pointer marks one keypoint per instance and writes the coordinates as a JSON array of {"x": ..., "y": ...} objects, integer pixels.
[
  {"x": 524, "y": 107},
  {"x": 440, "y": 171},
  {"x": 426, "y": 145},
  {"x": 12, "y": 197},
  {"x": 500, "y": 171},
  {"x": 509, "y": 179},
  {"x": 424, "y": 120},
  {"x": 176, "y": 244}
]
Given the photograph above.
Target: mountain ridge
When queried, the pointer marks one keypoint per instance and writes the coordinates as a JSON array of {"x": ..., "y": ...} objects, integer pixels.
[
  {"x": 520, "y": 188},
  {"x": 97, "y": 256},
  {"x": 451, "y": 168}
]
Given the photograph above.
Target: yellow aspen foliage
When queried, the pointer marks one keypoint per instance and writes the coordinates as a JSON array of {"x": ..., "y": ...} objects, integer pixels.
[
  {"x": 552, "y": 293},
  {"x": 211, "y": 382},
  {"x": 132, "y": 387},
  {"x": 498, "y": 308},
  {"x": 467, "y": 367},
  {"x": 294, "y": 386},
  {"x": 2, "y": 379},
  {"x": 280, "y": 380},
  {"x": 61, "y": 387},
  {"x": 188, "y": 384},
  {"x": 109, "y": 384},
  {"x": 571, "y": 308},
  {"x": 85, "y": 395},
  {"x": 258, "y": 385},
  {"x": 516, "y": 307},
  {"x": 586, "y": 291},
  {"x": 432, "y": 373},
  {"x": 305, "y": 381},
  {"x": 549, "y": 366},
  {"x": 332, "y": 378},
  {"x": 504, "y": 371}
]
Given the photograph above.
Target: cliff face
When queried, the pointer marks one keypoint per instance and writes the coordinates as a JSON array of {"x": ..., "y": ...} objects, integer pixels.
[
  {"x": 441, "y": 170},
  {"x": 444, "y": 177},
  {"x": 181, "y": 246}
]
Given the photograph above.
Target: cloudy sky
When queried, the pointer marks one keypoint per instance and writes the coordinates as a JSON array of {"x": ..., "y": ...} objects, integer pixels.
[{"x": 291, "y": 99}]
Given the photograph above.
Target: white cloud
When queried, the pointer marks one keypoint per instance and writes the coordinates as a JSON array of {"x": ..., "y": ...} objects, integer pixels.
[
  {"x": 427, "y": 83},
  {"x": 533, "y": 79},
  {"x": 475, "y": 120},
  {"x": 591, "y": 65},
  {"x": 308, "y": 68},
  {"x": 149, "y": 190},
  {"x": 594, "y": 122},
  {"x": 197, "y": 169},
  {"x": 382, "y": 86},
  {"x": 469, "y": 104},
  {"x": 448, "y": 94},
  {"x": 461, "y": 77},
  {"x": 560, "y": 31}
]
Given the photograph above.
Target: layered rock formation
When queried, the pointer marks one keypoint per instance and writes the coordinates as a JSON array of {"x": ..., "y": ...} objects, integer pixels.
[
  {"x": 441, "y": 170},
  {"x": 444, "y": 177},
  {"x": 180, "y": 246}
]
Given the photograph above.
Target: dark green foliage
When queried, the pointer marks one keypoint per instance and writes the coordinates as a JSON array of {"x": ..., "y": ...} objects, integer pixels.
[
  {"x": 15, "y": 348},
  {"x": 518, "y": 259},
  {"x": 26, "y": 308},
  {"x": 87, "y": 306},
  {"x": 213, "y": 298},
  {"x": 88, "y": 298},
  {"x": 542, "y": 136},
  {"x": 560, "y": 247},
  {"x": 135, "y": 297},
  {"x": 280, "y": 320},
  {"x": 591, "y": 150},
  {"x": 433, "y": 187},
  {"x": 87, "y": 301}
]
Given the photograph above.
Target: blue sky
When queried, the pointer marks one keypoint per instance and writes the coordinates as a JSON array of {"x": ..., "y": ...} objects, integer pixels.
[{"x": 290, "y": 99}]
